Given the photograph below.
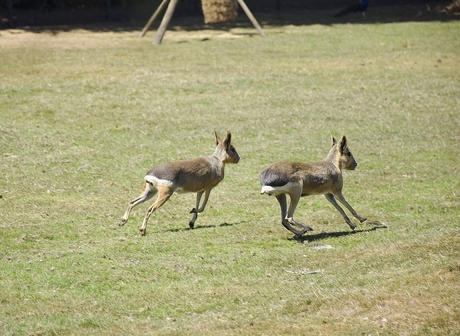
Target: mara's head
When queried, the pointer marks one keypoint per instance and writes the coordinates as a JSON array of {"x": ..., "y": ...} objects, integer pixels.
[
  {"x": 346, "y": 161},
  {"x": 228, "y": 152}
]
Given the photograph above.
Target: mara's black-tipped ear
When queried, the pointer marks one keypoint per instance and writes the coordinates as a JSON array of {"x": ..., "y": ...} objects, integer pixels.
[
  {"x": 218, "y": 139},
  {"x": 342, "y": 144},
  {"x": 227, "y": 141},
  {"x": 334, "y": 141}
]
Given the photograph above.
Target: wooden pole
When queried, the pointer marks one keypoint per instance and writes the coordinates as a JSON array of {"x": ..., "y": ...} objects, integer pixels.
[
  {"x": 10, "y": 13},
  {"x": 153, "y": 17},
  {"x": 109, "y": 10},
  {"x": 164, "y": 23},
  {"x": 251, "y": 17}
]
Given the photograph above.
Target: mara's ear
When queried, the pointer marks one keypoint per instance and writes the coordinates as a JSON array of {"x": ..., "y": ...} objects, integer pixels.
[
  {"x": 334, "y": 141},
  {"x": 227, "y": 141},
  {"x": 342, "y": 144},
  {"x": 218, "y": 139}
]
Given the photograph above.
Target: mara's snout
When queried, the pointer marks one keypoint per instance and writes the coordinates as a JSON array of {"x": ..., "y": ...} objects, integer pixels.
[{"x": 350, "y": 163}]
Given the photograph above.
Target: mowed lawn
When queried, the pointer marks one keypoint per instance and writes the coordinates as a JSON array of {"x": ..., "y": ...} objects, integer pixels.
[{"x": 85, "y": 112}]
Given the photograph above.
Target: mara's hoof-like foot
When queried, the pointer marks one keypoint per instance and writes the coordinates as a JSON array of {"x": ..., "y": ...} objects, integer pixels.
[
  {"x": 352, "y": 226},
  {"x": 304, "y": 227},
  {"x": 362, "y": 219},
  {"x": 122, "y": 222},
  {"x": 195, "y": 216},
  {"x": 143, "y": 231},
  {"x": 301, "y": 233},
  {"x": 307, "y": 228}
]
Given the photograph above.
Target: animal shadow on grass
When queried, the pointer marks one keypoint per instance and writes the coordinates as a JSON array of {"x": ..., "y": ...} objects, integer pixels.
[
  {"x": 323, "y": 235},
  {"x": 224, "y": 224}
]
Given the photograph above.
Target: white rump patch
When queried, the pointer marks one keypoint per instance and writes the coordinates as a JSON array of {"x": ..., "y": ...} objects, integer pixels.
[
  {"x": 275, "y": 191},
  {"x": 156, "y": 181},
  {"x": 165, "y": 183}
]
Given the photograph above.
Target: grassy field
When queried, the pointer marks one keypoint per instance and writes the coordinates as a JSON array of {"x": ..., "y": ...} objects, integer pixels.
[{"x": 85, "y": 113}]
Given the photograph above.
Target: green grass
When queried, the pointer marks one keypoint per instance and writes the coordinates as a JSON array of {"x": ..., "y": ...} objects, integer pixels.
[{"x": 83, "y": 115}]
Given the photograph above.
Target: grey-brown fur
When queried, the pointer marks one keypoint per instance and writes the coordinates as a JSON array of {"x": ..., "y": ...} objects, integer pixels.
[
  {"x": 198, "y": 175},
  {"x": 298, "y": 179}
]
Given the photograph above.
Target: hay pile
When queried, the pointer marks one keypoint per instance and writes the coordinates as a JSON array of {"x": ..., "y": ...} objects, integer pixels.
[
  {"x": 219, "y": 10},
  {"x": 454, "y": 7}
]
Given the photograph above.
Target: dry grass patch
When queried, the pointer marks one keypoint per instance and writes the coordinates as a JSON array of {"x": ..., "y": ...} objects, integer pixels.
[{"x": 55, "y": 39}]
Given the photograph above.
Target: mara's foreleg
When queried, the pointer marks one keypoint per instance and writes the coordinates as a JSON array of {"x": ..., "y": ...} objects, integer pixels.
[
  {"x": 286, "y": 221},
  {"x": 331, "y": 198},
  {"x": 164, "y": 193},
  {"x": 147, "y": 193},
  {"x": 348, "y": 206},
  {"x": 197, "y": 209}
]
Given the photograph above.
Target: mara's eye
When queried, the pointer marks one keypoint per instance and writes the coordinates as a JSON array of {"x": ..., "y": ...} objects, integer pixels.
[
  {"x": 349, "y": 154},
  {"x": 233, "y": 150}
]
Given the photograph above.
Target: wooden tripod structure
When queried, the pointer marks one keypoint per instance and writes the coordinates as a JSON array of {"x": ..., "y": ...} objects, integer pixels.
[{"x": 169, "y": 13}]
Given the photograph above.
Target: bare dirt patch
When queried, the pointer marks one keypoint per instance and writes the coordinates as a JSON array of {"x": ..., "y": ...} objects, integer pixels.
[{"x": 64, "y": 38}]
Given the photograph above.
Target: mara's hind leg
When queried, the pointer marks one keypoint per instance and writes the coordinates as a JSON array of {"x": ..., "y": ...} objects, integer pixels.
[
  {"x": 147, "y": 193},
  {"x": 164, "y": 193},
  {"x": 295, "y": 194},
  {"x": 288, "y": 221},
  {"x": 290, "y": 215}
]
